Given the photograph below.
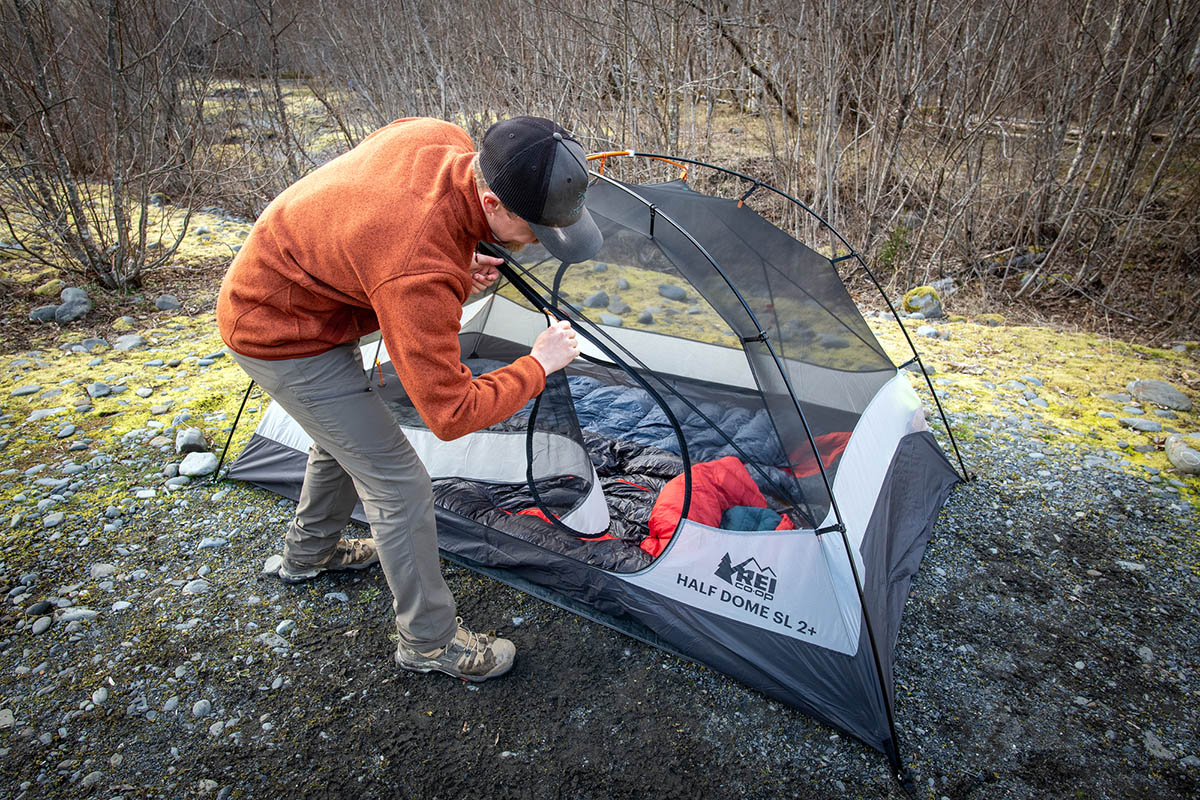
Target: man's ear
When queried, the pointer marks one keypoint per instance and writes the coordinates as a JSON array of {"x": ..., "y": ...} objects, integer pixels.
[{"x": 490, "y": 202}]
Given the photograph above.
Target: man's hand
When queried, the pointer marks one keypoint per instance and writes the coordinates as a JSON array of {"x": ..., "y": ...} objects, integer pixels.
[
  {"x": 556, "y": 346},
  {"x": 484, "y": 272}
]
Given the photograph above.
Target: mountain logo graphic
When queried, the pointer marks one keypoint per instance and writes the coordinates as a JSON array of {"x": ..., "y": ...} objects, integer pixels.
[{"x": 750, "y": 576}]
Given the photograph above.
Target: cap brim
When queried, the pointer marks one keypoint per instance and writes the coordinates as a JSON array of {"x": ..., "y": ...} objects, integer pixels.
[{"x": 573, "y": 243}]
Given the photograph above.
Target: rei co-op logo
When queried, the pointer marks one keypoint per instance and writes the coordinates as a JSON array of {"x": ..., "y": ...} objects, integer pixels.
[{"x": 749, "y": 576}]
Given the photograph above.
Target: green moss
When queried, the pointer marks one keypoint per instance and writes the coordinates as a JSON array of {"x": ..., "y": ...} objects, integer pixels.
[
  {"x": 912, "y": 295},
  {"x": 1075, "y": 368}
]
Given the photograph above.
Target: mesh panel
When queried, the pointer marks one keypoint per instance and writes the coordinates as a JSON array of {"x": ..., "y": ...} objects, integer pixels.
[{"x": 746, "y": 333}]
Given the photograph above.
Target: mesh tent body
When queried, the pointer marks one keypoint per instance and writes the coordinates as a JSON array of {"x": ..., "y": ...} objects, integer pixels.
[{"x": 708, "y": 333}]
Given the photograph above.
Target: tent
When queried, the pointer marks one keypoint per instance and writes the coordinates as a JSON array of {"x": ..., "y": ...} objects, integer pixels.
[{"x": 735, "y": 471}]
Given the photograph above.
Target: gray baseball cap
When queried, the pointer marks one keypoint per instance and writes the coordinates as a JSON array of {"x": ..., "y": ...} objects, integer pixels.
[{"x": 540, "y": 174}]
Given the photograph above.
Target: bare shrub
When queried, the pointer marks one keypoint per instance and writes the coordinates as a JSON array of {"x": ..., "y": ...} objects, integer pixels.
[{"x": 101, "y": 108}]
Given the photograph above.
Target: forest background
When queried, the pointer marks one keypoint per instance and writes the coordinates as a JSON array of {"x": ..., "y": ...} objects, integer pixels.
[{"x": 1043, "y": 153}]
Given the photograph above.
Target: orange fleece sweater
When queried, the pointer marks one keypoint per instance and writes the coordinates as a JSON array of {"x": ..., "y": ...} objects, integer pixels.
[{"x": 380, "y": 238}]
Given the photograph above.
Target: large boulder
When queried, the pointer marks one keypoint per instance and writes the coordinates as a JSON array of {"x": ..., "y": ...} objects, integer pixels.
[
  {"x": 197, "y": 465},
  {"x": 1183, "y": 451},
  {"x": 1159, "y": 393},
  {"x": 130, "y": 341},
  {"x": 923, "y": 300},
  {"x": 73, "y": 309},
  {"x": 50, "y": 288},
  {"x": 43, "y": 314},
  {"x": 190, "y": 440}
]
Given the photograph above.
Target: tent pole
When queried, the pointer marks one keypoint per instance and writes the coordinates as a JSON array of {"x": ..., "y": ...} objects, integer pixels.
[
  {"x": 232, "y": 430},
  {"x": 893, "y": 755},
  {"x": 928, "y": 382}
]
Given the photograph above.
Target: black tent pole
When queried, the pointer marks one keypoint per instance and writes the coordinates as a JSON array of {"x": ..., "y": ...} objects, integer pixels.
[{"x": 232, "y": 430}]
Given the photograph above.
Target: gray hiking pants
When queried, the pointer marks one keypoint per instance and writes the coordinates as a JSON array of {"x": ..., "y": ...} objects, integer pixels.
[{"x": 359, "y": 452}]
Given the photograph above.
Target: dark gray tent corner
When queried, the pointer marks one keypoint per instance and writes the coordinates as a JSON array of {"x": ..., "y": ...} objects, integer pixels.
[{"x": 750, "y": 356}]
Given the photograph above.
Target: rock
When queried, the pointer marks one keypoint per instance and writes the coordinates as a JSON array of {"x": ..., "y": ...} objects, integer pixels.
[
  {"x": 97, "y": 390},
  {"x": 29, "y": 388},
  {"x": 599, "y": 266},
  {"x": 1183, "y": 451},
  {"x": 211, "y": 542},
  {"x": 272, "y": 564},
  {"x": 51, "y": 288},
  {"x": 927, "y": 330},
  {"x": 197, "y": 465},
  {"x": 143, "y": 392},
  {"x": 944, "y": 286},
  {"x": 337, "y": 597},
  {"x": 285, "y": 627},
  {"x": 1143, "y": 425},
  {"x": 53, "y": 520},
  {"x": 672, "y": 292},
  {"x": 1154, "y": 746},
  {"x": 43, "y": 314},
  {"x": 101, "y": 571},
  {"x": 122, "y": 605},
  {"x": 190, "y": 440},
  {"x": 198, "y": 586},
  {"x": 39, "y": 608},
  {"x": 1145, "y": 654},
  {"x": 622, "y": 284},
  {"x": 167, "y": 302},
  {"x": 41, "y": 625},
  {"x": 1191, "y": 762},
  {"x": 130, "y": 341},
  {"x": 923, "y": 300},
  {"x": 1160, "y": 393},
  {"x": 597, "y": 300},
  {"x": 80, "y": 613},
  {"x": 171, "y": 704},
  {"x": 201, "y": 708},
  {"x": 619, "y": 307},
  {"x": 161, "y": 408},
  {"x": 645, "y": 318},
  {"x": 6, "y": 718},
  {"x": 1131, "y": 566},
  {"x": 91, "y": 779},
  {"x": 611, "y": 320},
  {"x": 100, "y": 696},
  {"x": 1117, "y": 398},
  {"x": 271, "y": 640},
  {"x": 72, "y": 310},
  {"x": 72, "y": 294}
]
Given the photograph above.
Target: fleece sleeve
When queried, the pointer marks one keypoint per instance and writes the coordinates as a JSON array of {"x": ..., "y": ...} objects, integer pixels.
[{"x": 419, "y": 319}]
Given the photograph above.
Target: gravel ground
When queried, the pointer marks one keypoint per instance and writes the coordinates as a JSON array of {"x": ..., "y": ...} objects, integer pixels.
[{"x": 1048, "y": 650}]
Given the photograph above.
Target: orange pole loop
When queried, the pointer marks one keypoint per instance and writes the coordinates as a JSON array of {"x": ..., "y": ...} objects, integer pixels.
[{"x": 603, "y": 158}]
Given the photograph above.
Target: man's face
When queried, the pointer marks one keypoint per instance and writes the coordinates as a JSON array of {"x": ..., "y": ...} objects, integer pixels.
[{"x": 512, "y": 232}]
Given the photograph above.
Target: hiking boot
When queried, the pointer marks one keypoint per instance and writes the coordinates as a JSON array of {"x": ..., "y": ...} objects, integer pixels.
[
  {"x": 349, "y": 554},
  {"x": 470, "y": 656}
]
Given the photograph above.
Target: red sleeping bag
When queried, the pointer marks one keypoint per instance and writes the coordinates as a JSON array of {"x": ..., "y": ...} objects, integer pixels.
[{"x": 716, "y": 486}]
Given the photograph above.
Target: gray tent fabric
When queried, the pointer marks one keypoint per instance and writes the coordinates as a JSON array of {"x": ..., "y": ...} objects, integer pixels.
[{"x": 756, "y": 357}]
